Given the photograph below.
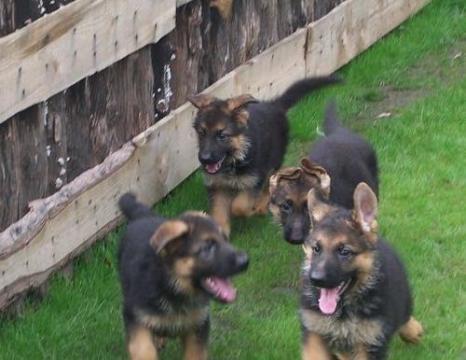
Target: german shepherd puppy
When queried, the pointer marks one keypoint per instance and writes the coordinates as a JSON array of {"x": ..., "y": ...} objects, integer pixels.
[
  {"x": 342, "y": 156},
  {"x": 241, "y": 142},
  {"x": 355, "y": 292},
  {"x": 169, "y": 270}
]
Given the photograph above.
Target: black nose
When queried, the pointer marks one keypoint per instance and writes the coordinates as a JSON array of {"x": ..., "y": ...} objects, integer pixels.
[
  {"x": 242, "y": 261},
  {"x": 296, "y": 237},
  {"x": 318, "y": 278},
  {"x": 205, "y": 156}
]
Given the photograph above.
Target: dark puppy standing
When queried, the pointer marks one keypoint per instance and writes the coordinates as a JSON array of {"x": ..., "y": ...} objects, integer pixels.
[
  {"x": 355, "y": 294},
  {"x": 241, "y": 142},
  {"x": 342, "y": 156},
  {"x": 169, "y": 270}
]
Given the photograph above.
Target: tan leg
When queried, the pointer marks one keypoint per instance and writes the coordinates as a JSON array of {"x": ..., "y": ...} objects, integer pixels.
[
  {"x": 360, "y": 353},
  {"x": 262, "y": 203},
  {"x": 412, "y": 331},
  {"x": 247, "y": 203},
  {"x": 243, "y": 204},
  {"x": 141, "y": 345},
  {"x": 221, "y": 209},
  {"x": 194, "y": 348},
  {"x": 314, "y": 348}
]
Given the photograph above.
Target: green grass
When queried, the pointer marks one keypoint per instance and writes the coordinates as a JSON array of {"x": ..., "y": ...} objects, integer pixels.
[{"x": 421, "y": 149}]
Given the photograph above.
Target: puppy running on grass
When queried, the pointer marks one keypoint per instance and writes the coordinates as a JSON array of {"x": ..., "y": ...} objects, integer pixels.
[
  {"x": 355, "y": 293},
  {"x": 337, "y": 163},
  {"x": 169, "y": 270},
  {"x": 241, "y": 143}
]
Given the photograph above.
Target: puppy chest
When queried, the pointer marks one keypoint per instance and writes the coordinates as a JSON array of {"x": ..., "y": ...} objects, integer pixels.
[
  {"x": 173, "y": 323},
  {"x": 343, "y": 334},
  {"x": 236, "y": 182}
]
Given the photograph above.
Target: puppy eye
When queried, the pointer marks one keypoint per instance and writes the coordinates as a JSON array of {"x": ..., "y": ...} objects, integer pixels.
[
  {"x": 208, "y": 249},
  {"x": 316, "y": 249},
  {"x": 222, "y": 136},
  {"x": 286, "y": 206},
  {"x": 344, "y": 251}
]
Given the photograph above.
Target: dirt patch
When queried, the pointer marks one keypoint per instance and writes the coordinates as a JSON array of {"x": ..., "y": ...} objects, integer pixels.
[{"x": 426, "y": 77}]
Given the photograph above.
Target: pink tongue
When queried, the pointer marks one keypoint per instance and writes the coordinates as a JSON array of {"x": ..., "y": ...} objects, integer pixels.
[
  {"x": 212, "y": 168},
  {"x": 328, "y": 300},
  {"x": 223, "y": 289}
]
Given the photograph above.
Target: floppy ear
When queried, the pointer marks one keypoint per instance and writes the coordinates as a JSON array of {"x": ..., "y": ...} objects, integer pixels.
[
  {"x": 201, "y": 100},
  {"x": 365, "y": 208},
  {"x": 317, "y": 208},
  {"x": 239, "y": 101},
  {"x": 319, "y": 174},
  {"x": 166, "y": 233},
  {"x": 290, "y": 173}
]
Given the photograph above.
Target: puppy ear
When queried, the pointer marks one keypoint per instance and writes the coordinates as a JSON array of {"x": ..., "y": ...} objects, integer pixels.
[
  {"x": 235, "y": 103},
  {"x": 201, "y": 100},
  {"x": 318, "y": 174},
  {"x": 365, "y": 209},
  {"x": 166, "y": 233},
  {"x": 290, "y": 173},
  {"x": 316, "y": 206}
]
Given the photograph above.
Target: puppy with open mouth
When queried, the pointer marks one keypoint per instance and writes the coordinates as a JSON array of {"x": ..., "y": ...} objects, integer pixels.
[
  {"x": 355, "y": 291},
  {"x": 169, "y": 270},
  {"x": 242, "y": 141}
]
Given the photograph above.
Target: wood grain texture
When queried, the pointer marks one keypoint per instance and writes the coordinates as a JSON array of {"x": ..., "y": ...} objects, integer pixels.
[
  {"x": 78, "y": 40},
  {"x": 351, "y": 28},
  {"x": 208, "y": 47},
  {"x": 48, "y": 145}
]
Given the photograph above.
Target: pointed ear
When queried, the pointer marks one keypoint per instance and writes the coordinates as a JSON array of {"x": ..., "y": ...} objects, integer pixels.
[
  {"x": 239, "y": 101},
  {"x": 319, "y": 174},
  {"x": 365, "y": 208},
  {"x": 201, "y": 100},
  {"x": 316, "y": 206},
  {"x": 167, "y": 232}
]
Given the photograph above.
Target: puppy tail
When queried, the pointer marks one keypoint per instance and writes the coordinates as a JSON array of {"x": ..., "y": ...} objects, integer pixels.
[
  {"x": 331, "y": 121},
  {"x": 133, "y": 209},
  {"x": 302, "y": 87}
]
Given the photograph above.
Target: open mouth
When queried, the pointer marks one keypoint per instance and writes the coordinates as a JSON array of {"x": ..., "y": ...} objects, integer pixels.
[
  {"x": 214, "y": 168},
  {"x": 328, "y": 298},
  {"x": 221, "y": 289}
]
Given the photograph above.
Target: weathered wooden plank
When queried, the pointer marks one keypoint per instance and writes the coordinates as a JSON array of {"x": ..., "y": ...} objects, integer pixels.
[
  {"x": 269, "y": 73},
  {"x": 48, "y": 145},
  {"x": 182, "y": 2},
  {"x": 73, "y": 42},
  {"x": 151, "y": 165},
  {"x": 351, "y": 28}
]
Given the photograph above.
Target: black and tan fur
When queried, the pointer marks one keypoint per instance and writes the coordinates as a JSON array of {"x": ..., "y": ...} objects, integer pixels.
[
  {"x": 342, "y": 156},
  {"x": 163, "y": 266},
  {"x": 241, "y": 143},
  {"x": 344, "y": 251}
]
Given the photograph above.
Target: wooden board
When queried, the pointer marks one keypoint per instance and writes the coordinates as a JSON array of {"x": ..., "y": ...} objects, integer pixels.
[
  {"x": 182, "y": 2},
  {"x": 73, "y": 42},
  {"x": 151, "y": 165},
  {"x": 351, "y": 28}
]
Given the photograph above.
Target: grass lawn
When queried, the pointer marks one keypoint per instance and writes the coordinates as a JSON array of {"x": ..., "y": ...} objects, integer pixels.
[{"x": 417, "y": 74}]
